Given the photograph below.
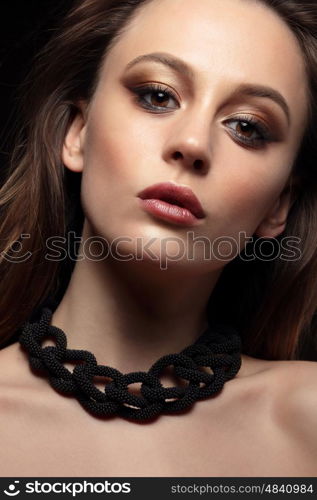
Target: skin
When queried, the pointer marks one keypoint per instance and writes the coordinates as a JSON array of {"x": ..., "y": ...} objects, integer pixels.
[{"x": 121, "y": 148}]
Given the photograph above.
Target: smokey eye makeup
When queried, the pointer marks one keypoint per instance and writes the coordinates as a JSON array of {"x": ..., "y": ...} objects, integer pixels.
[
  {"x": 155, "y": 96},
  {"x": 158, "y": 98},
  {"x": 245, "y": 129}
]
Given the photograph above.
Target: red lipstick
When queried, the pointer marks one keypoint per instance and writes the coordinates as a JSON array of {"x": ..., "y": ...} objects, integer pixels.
[{"x": 172, "y": 203}]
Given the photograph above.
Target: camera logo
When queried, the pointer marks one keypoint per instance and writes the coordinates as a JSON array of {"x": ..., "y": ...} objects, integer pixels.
[{"x": 12, "y": 491}]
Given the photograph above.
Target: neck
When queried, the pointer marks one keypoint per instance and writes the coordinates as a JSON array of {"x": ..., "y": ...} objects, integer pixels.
[{"x": 129, "y": 314}]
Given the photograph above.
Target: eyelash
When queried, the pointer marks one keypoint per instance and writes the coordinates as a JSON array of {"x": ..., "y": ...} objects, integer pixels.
[{"x": 259, "y": 127}]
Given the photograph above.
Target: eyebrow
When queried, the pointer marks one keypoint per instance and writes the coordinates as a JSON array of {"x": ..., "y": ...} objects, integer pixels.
[
  {"x": 265, "y": 92},
  {"x": 183, "y": 69},
  {"x": 168, "y": 60}
]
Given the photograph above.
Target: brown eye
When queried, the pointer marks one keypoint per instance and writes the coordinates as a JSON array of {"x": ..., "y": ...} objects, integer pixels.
[
  {"x": 160, "y": 99},
  {"x": 249, "y": 130},
  {"x": 245, "y": 128},
  {"x": 154, "y": 97}
]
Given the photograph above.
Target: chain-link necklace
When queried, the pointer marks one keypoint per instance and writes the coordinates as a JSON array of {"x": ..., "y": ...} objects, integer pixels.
[{"x": 218, "y": 348}]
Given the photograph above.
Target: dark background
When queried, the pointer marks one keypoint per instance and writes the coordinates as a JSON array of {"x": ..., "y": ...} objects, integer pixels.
[{"x": 25, "y": 26}]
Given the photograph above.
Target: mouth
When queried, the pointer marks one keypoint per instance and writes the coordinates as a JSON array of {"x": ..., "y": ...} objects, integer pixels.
[{"x": 171, "y": 202}]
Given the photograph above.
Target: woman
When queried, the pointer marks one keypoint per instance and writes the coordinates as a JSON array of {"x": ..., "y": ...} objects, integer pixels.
[{"x": 187, "y": 126}]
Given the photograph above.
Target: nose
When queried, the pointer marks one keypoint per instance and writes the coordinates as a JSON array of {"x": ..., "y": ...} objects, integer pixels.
[{"x": 189, "y": 145}]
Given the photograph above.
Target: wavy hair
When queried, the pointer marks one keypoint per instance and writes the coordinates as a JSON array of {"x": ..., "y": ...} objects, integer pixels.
[{"x": 272, "y": 303}]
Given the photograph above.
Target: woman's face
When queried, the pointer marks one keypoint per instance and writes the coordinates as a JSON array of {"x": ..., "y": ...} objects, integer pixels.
[{"x": 220, "y": 108}]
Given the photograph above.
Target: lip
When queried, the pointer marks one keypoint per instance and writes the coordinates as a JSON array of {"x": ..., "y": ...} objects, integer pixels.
[{"x": 171, "y": 202}]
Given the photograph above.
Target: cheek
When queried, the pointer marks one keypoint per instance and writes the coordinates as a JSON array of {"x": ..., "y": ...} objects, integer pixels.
[
  {"x": 119, "y": 156},
  {"x": 118, "y": 144},
  {"x": 246, "y": 186}
]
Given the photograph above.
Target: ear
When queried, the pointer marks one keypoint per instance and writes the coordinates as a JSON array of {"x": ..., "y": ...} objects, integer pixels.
[
  {"x": 73, "y": 147},
  {"x": 275, "y": 221}
]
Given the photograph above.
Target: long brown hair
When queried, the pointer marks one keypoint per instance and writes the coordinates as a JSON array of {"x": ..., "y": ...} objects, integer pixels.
[{"x": 272, "y": 303}]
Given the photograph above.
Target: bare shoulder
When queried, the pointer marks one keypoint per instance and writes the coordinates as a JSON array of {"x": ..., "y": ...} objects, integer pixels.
[
  {"x": 295, "y": 390},
  {"x": 300, "y": 380},
  {"x": 13, "y": 376},
  {"x": 289, "y": 376},
  {"x": 21, "y": 392},
  {"x": 14, "y": 370},
  {"x": 12, "y": 363}
]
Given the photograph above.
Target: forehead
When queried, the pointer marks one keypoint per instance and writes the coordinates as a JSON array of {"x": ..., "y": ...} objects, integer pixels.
[{"x": 222, "y": 40}]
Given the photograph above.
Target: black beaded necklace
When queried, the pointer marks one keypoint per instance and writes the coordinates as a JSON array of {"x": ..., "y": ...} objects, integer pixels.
[{"x": 217, "y": 348}]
